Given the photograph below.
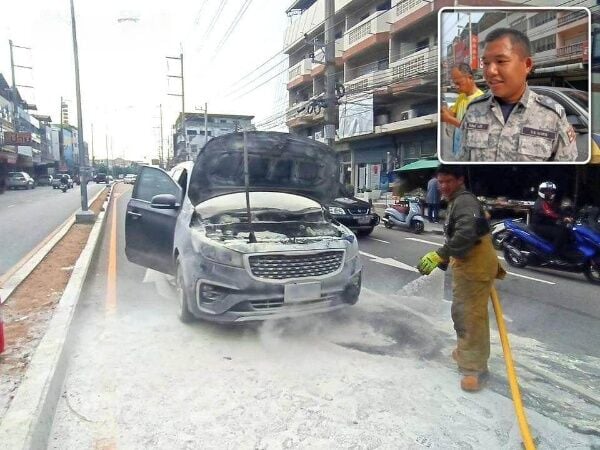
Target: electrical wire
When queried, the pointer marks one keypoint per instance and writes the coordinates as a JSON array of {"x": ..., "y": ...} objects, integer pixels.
[{"x": 234, "y": 23}]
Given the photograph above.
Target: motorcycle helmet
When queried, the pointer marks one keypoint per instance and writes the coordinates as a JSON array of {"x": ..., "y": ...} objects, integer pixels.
[{"x": 547, "y": 190}]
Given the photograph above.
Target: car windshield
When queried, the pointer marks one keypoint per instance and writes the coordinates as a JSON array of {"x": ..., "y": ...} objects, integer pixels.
[{"x": 299, "y": 224}]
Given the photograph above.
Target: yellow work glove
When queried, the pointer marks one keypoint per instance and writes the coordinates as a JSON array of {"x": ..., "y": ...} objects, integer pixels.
[{"x": 429, "y": 262}]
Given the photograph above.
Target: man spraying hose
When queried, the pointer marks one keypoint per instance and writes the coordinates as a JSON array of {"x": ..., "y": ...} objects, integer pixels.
[{"x": 474, "y": 262}]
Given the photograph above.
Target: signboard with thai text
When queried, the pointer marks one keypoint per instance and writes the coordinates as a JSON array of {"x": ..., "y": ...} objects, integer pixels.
[{"x": 12, "y": 138}]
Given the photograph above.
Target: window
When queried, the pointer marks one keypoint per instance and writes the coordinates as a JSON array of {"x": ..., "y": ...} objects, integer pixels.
[
  {"x": 519, "y": 25},
  {"x": 223, "y": 120},
  {"x": 424, "y": 43},
  {"x": 384, "y": 6},
  {"x": 191, "y": 132},
  {"x": 542, "y": 18},
  {"x": 153, "y": 181},
  {"x": 544, "y": 44}
]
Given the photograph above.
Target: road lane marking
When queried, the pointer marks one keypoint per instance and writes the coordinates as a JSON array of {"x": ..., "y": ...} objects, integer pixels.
[
  {"x": 378, "y": 240},
  {"x": 389, "y": 262},
  {"x": 111, "y": 278},
  {"x": 424, "y": 241},
  {"x": 500, "y": 257},
  {"x": 10, "y": 206}
]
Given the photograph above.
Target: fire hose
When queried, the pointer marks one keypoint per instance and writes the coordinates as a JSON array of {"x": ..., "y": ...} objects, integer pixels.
[{"x": 512, "y": 375}]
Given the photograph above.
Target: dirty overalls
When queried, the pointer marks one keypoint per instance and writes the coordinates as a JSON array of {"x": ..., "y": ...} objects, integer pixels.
[{"x": 472, "y": 281}]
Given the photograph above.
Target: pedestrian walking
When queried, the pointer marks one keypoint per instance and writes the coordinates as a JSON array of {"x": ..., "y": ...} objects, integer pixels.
[
  {"x": 469, "y": 251},
  {"x": 433, "y": 199},
  {"x": 462, "y": 78},
  {"x": 511, "y": 123}
]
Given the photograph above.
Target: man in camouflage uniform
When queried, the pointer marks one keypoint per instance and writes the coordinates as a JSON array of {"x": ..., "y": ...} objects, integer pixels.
[
  {"x": 511, "y": 123},
  {"x": 474, "y": 262}
]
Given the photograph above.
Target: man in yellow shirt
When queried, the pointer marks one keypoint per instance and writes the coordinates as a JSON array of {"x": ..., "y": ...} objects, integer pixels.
[{"x": 462, "y": 78}]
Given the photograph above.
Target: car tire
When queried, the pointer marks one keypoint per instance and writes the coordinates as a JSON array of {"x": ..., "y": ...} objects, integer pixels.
[{"x": 183, "y": 311}]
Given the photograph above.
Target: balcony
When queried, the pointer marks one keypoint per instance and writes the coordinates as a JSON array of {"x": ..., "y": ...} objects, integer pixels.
[
  {"x": 571, "y": 17},
  {"x": 422, "y": 62},
  {"x": 372, "y": 31},
  {"x": 571, "y": 51},
  {"x": 318, "y": 64},
  {"x": 367, "y": 82},
  {"x": 299, "y": 73}
]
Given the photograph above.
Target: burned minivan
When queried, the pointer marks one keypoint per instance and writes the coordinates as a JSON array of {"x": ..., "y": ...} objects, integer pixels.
[{"x": 243, "y": 229}]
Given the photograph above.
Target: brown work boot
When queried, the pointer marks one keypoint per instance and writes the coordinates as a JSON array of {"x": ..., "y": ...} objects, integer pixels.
[{"x": 474, "y": 382}]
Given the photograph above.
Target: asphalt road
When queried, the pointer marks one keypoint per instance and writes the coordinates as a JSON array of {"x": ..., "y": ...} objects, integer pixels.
[
  {"x": 377, "y": 374},
  {"x": 28, "y": 216}
]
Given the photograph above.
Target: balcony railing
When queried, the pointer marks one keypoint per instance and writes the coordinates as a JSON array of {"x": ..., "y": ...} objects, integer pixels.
[
  {"x": 300, "y": 110},
  {"x": 570, "y": 50},
  {"x": 302, "y": 68},
  {"x": 406, "y": 7},
  {"x": 377, "y": 22},
  {"x": 367, "y": 82},
  {"x": 571, "y": 17},
  {"x": 420, "y": 62}
]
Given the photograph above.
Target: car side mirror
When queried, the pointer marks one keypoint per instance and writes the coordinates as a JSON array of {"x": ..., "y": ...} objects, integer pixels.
[
  {"x": 577, "y": 124},
  {"x": 164, "y": 201}
]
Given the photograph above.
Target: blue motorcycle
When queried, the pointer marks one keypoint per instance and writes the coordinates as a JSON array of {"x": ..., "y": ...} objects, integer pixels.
[{"x": 522, "y": 247}]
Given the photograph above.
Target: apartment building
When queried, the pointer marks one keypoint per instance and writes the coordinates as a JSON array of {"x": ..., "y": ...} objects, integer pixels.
[
  {"x": 386, "y": 60},
  {"x": 198, "y": 133}
]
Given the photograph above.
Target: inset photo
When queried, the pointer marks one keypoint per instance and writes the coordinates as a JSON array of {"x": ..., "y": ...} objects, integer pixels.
[{"x": 514, "y": 85}]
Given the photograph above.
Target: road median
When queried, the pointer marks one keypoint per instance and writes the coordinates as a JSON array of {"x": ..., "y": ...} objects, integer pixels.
[{"x": 37, "y": 319}]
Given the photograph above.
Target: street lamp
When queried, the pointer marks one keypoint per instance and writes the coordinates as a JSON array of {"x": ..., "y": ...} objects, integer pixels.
[{"x": 85, "y": 215}]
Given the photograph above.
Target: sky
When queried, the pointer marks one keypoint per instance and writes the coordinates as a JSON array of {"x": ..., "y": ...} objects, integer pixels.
[{"x": 123, "y": 65}]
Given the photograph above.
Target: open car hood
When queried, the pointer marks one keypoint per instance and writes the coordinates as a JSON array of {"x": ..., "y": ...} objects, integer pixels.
[{"x": 278, "y": 162}]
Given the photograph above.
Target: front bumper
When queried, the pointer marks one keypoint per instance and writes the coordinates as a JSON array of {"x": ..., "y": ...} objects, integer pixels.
[
  {"x": 243, "y": 298},
  {"x": 356, "y": 222}
]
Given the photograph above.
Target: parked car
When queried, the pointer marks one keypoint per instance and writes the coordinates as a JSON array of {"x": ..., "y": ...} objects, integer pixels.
[
  {"x": 19, "y": 180},
  {"x": 575, "y": 103},
  {"x": 100, "y": 178},
  {"x": 130, "y": 178},
  {"x": 57, "y": 180},
  {"x": 44, "y": 180},
  {"x": 354, "y": 213},
  {"x": 282, "y": 258}
]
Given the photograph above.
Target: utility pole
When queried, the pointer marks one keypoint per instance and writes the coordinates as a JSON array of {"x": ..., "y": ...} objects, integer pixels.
[
  {"x": 330, "y": 98},
  {"x": 160, "y": 156},
  {"x": 61, "y": 137},
  {"x": 182, "y": 95},
  {"x": 85, "y": 215},
  {"x": 93, "y": 162},
  {"x": 14, "y": 93}
]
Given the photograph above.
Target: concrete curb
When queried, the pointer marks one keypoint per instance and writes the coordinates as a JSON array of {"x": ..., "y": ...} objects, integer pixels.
[
  {"x": 28, "y": 421},
  {"x": 32, "y": 262}
]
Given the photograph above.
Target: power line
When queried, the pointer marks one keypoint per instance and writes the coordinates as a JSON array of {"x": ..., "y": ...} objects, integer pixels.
[
  {"x": 213, "y": 22},
  {"x": 236, "y": 20}
]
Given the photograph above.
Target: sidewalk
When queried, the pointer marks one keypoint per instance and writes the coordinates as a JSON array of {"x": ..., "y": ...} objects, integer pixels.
[{"x": 430, "y": 228}]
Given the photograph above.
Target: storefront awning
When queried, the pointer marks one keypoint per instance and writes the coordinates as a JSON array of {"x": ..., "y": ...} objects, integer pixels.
[{"x": 420, "y": 164}]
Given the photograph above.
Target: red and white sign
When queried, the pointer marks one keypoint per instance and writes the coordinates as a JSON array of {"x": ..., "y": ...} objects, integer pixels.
[
  {"x": 474, "y": 52},
  {"x": 12, "y": 138}
]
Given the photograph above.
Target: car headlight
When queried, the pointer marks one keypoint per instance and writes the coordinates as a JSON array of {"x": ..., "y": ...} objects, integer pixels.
[
  {"x": 352, "y": 246},
  {"x": 217, "y": 253},
  {"x": 336, "y": 211}
]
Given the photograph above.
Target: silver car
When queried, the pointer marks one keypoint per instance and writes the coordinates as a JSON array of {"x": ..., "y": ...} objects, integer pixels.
[
  {"x": 19, "y": 180},
  {"x": 240, "y": 254}
]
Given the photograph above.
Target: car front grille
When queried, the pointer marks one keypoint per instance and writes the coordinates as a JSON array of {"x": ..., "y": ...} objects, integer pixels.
[
  {"x": 358, "y": 210},
  {"x": 287, "y": 266}
]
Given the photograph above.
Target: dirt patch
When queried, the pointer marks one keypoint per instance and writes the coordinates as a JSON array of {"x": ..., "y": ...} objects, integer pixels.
[{"x": 29, "y": 309}]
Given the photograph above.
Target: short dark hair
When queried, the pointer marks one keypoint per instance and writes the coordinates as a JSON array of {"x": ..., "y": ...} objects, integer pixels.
[
  {"x": 464, "y": 68},
  {"x": 517, "y": 38},
  {"x": 457, "y": 171}
]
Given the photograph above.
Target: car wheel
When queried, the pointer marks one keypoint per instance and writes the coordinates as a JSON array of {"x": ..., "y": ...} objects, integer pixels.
[{"x": 183, "y": 311}]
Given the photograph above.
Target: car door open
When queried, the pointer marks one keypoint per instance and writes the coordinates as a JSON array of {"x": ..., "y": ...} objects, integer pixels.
[{"x": 150, "y": 220}]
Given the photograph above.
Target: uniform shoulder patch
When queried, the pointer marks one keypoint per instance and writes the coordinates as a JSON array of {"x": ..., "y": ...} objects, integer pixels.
[{"x": 550, "y": 104}]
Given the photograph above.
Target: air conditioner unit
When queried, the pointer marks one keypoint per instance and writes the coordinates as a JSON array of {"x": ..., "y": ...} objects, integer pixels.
[{"x": 410, "y": 114}]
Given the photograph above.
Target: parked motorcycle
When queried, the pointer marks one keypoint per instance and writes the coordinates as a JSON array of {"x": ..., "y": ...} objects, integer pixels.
[
  {"x": 522, "y": 247},
  {"x": 64, "y": 187},
  {"x": 406, "y": 214}
]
